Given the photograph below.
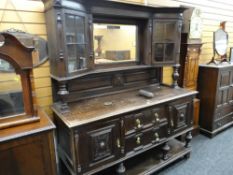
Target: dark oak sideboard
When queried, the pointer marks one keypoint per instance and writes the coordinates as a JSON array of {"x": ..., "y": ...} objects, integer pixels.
[
  {"x": 105, "y": 131},
  {"x": 215, "y": 86},
  {"x": 102, "y": 121}
]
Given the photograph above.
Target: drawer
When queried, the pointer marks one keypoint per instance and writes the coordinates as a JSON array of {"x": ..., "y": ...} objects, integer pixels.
[
  {"x": 220, "y": 123},
  {"x": 223, "y": 112},
  {"x": 137, "y": 121},
  {"x": 146, "y": 138}
]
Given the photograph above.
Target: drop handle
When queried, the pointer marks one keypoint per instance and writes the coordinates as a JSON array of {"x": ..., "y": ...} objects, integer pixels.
[
  {"x": 157, "y": 137},
  {"x": 118, "y": 143},
  {"x": 157, "y": 117},
  {"x": 138, "y": 140},
  {"x": 172, "y": 123},
  {"x": 138, "y": 122}
]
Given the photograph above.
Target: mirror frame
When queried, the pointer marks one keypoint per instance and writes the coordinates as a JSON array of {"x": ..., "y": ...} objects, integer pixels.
[
  {"x": 20, "y": 57},
  {"x": 215, "y": 49}
]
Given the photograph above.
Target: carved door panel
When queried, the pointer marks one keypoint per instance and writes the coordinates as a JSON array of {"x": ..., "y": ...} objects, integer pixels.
[
  {"x": 99, "y": 144},
  {"x": 180, "y": 116},
  {"x": 224, "y": 94}
]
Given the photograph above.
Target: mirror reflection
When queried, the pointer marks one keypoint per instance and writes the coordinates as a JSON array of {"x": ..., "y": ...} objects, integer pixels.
[
  {"x": 221, "y": 41},
  {"x": 114, "y": 43},
  {"x": 11, "y": 94}
]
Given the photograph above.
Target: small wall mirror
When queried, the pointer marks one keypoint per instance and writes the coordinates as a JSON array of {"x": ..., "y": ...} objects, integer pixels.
[
  {"x": 11, "y": 94},
  {"x": 115, "y": 43}
]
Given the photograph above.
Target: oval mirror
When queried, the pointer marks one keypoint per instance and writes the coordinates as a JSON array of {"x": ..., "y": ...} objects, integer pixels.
[{"x": 220, "y": 42}]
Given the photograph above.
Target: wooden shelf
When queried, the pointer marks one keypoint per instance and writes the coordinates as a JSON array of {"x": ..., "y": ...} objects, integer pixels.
[{"x": 151, "y": 161}]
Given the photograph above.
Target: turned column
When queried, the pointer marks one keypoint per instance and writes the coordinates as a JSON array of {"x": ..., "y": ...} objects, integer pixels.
[
  {"x": 62, "y": 92},
  {"x": 188, "y": 139},
  {"x": 166, "y": 148},
  {"x": 175, "y": 76},
  {"x": 120, "y": 169}
]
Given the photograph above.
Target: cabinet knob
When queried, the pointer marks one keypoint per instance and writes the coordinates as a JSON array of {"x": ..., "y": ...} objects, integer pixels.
[
  {"x": 156, "y": 137},
  {"x": 118, "y": 143},
  {"x": 138, "y": 140},
  {"x": 138, "y": 122},
  {"x": 157, "y": 117},
  {"x": 102, "y": 144},
  {"x": 182, "y": 115}
]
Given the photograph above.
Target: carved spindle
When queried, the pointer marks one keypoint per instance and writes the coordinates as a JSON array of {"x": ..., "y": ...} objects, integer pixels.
[
  {"x": 62, "y": 92},
  {"x": 121, "y": 169},
  {"x": 188, "y": 139},
  {"x": 175, "y": 76},
  {"x": 166, "y": 148}
]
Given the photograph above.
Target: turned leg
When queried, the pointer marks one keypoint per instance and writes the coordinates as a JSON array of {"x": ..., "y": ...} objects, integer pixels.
[
  {"x": 120, "y": 169},
  {"x": 165, "y": 150},
  {"x": 175, "y": 76},
  {"x": 188, "y": 139}
]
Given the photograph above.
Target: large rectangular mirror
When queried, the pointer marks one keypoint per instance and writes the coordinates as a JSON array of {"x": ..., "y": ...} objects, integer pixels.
[{"x": 115, "y": 43}]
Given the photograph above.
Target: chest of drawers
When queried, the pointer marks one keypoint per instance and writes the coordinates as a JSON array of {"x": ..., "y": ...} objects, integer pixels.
[{"x": 216, "y": 95}]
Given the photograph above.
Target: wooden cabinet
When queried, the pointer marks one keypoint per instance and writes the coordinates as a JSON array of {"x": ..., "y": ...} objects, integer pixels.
[
  {"x": 28, "y": 149},
  {"x": 215, "y": 87}
]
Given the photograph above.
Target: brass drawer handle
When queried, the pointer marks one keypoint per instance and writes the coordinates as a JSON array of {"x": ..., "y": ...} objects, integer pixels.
[
  {"x": 172, "y": 123},
  {"x": 118, "y": 143},
  {"x": 138, "y": 140},
  {"x": 157, "y": 137},
  {"x": 157, "y": 117},
  {"x": 138, "y": 122}
]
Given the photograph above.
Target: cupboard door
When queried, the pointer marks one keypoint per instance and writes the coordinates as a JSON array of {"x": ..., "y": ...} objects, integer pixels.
[
  {"x": 166, "y": 35},
  {"x": 180, "y": 115},
  {"x": 76, "y": 41},
  {"x": 224, "y": 94},
  {"x": 99, "y": 144}
]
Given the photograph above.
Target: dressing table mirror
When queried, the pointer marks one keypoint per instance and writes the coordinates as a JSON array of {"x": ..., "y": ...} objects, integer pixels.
[
  {"x": 20, "y": 52},
  {"x": 220, "y": 44}
]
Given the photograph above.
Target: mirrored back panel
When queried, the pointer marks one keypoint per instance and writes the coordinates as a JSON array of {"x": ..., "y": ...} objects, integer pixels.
[{"x": 114, "y": 43}]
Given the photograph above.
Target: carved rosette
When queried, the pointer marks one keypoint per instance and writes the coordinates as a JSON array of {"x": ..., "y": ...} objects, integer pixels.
[{"x": 118, "y": 80}]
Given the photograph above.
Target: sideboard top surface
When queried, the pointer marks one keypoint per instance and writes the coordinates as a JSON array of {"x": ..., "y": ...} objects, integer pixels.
[
  {"x": 98, "y": 108},
  {"x": 217, "y": 66}
]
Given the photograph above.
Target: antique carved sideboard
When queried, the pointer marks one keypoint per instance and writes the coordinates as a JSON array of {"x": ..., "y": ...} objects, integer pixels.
[{"x": 116, "y": 113}]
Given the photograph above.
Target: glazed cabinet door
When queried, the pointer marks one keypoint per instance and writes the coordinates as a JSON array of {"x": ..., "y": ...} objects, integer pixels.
[
  {"x": 98, "y": 144},
  {"x": 76, "y": 41},
  {"x": 166, "y": 39}
]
